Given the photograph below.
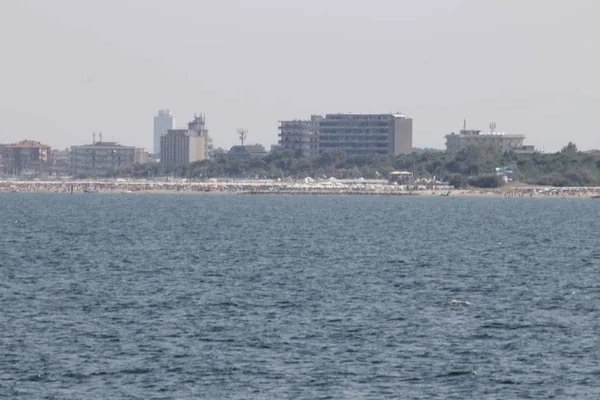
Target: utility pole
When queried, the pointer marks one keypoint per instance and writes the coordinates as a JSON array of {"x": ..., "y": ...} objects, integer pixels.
[{"x": 242, "y": 134}]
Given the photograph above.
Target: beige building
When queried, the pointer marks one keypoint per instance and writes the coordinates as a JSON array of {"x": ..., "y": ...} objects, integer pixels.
[
  {"x": 198, "y": 150},
  {"x": 100, "y": 159},
  {"x": 183, "y": 146},
  {"x": 141, "y": 156},
  {"x": 366, "y": 134}
]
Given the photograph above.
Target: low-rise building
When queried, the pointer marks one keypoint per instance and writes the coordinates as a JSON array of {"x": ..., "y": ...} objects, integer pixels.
[
  {"x": 474, "y": 137},
  {"x": 247, "y": 151},
  {"x": 525, "y": 149},
  {"x": 592, "y": 153},
  {"x": 100, "y": 159},
  {"x": 26, "y": 158}
]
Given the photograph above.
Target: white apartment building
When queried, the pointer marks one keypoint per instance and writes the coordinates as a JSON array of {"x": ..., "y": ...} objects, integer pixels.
[{"x": 472, "y": 137}]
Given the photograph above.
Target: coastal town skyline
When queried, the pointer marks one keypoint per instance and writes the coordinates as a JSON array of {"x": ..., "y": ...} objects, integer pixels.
[{"x": 529, "y": 67}]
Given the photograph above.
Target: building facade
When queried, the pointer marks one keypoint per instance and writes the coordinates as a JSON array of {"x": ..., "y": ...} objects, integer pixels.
[
  {"x": 61, "y": 162},
  {"x": 26, "y": 158},
  {"x": 100, "y": 159},
  {"x": 197, "y": 128},
  {"x": 366, "y": 134},
  {"x": 471, "y": 137},
  {"x": 141, "y": 156},
  {"x": 300, "y": 135},
  {"x": 183, "y": 146},
  {"x": 174, "y": 148},
  {"x": 162, "y": 123}
]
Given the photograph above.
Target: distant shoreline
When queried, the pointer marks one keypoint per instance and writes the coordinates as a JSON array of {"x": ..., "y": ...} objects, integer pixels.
[{"x": 289, "y": 188}]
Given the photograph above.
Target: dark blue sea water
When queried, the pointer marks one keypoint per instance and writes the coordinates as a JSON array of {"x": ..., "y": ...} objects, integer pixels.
[{"x": 126, "y": 296}]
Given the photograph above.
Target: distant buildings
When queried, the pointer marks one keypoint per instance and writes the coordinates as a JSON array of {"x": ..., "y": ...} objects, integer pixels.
[
  {"x": 100, "y": 158},
  {"x": 183, "y": 146},
  {"x": 355, "y": 134},
  {"x": 471, "y": 137},
  {"x": 141, "y": 156},
  {"x": 27, "y": 157},
  {"x": 162, "y": 123},
  {"x": 247, "y": 151},
  {"x": 593, "y": 153},
  {"x": 61, "y": 162},
  {"x": 301, "y": 136},
  {"x": 366, "y": 134},
  {"x": 175, "y": 148}
]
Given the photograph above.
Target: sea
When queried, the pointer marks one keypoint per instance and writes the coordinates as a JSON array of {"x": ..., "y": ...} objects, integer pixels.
[{"x": 208, "y": 296}]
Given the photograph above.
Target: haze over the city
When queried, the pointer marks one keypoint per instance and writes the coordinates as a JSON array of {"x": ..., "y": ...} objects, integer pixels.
[{"x": 72, "y": 67}]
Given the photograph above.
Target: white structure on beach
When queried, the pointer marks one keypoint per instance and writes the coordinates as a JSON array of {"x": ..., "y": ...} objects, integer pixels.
[{"x": 162, "y": 123}]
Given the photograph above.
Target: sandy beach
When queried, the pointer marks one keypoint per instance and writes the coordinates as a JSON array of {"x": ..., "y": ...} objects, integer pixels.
[{"x": 323, "y": 187}]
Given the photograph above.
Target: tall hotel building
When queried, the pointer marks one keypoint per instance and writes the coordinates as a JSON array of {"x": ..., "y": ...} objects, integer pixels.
[
  {"x": 163, "y": 122},
  {"x": 356, "y": 134},
  {"x": 366, "y": 134}
]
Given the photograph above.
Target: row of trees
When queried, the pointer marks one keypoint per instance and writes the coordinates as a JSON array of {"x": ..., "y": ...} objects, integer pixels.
[{"x": 474, "y": 166}]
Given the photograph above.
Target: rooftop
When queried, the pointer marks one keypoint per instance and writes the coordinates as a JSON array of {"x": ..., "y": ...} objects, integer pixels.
[
  {"x": 104, "y": 144},
  {"x": 28, "y": 144},
  {"x": 476, "y": 133},
  {"x": 367, "y": 115},
  {"x": 251, "y": 149}
]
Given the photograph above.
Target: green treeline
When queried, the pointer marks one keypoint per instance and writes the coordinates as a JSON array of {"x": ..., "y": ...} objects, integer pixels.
[{"x": 474, "y": 166}]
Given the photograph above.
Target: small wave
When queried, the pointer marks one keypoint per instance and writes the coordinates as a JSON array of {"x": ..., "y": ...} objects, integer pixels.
[
  {"x": 507, "y": 326},
  {"x": 459, "y": 303},
  {"x": 36, "y": 378},
  {"x": 135, "y": 371},
  {"x": 397, "y": 262},
  {"x": 507, "y": 382},
  {"x": 452, "y": 374}
]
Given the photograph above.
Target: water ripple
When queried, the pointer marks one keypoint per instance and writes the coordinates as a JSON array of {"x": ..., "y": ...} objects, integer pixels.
[{"x": 202, "y": 296}]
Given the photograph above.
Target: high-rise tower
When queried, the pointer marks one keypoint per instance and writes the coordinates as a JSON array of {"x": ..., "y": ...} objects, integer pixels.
[{"x": 162, "y": 123}]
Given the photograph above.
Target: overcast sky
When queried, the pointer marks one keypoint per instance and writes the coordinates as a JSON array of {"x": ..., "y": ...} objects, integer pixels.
[{"x": 73, "y": 67}]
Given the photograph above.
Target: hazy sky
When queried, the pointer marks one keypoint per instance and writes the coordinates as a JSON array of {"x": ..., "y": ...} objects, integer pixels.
[{"x": 73, "y": 67}]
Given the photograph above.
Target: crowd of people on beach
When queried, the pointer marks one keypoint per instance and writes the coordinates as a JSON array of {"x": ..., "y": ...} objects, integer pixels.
[{"x": 281, "y": 187}]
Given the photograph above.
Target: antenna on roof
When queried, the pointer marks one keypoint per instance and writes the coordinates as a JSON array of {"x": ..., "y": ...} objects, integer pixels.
[
  {"x": 242, "y": 133},
  {"x": 94, "y": 138},
  {"x": 100, "y": 137},
  {"x": 464, "y": 124},
  {"x": 493, "y": 127}
]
